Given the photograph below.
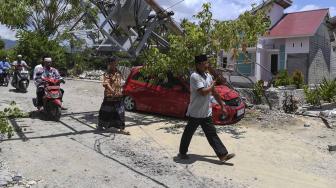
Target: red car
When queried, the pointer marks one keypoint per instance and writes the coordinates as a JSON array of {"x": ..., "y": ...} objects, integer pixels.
[{"x": 172, "y": 97}]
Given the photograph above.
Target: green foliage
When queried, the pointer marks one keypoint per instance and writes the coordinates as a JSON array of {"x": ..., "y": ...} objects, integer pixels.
[
  {"x": 5, "y": 129},
  {"x": 9, "y": 113},
  {"x": 312, "y": 95},
  {"x": 259, "y": 91},
  {"x": 3, "y": 54},
  {"x": 283, "y": 79},
  {"x": 2, "y": 44},
  {"x": 327, "y": 90},
  {"x": 207, "y": 36},
  {"x": 42, "y": 27},
  {"x": 298, "y": 79},
  {"x": 34, "y": 46},
  {"x": 43, "y": 17},
  {"x": 81, "y": 61},
  {"x": 14, "y": 13}
]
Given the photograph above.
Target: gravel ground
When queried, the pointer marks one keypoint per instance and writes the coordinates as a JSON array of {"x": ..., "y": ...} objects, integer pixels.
[{"x": 273, "y": 149}]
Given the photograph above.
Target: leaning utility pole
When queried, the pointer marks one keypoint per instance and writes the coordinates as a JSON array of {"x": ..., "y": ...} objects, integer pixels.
[{"x": 129, "y": 26}]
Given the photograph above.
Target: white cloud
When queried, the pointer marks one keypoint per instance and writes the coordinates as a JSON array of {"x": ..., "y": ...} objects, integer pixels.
[
  {"x": 332, "y": 11},
  {"x": 7, "y": 33},
  {"x": 310, "y": 7},
  {"x": 222, "y": 9}
]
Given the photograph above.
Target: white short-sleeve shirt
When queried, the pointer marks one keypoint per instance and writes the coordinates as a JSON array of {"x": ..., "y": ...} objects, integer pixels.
[{"x": 199, "y": 106}]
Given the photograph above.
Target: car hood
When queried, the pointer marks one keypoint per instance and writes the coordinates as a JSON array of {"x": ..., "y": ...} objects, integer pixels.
[{"x": 226, "y": 93}]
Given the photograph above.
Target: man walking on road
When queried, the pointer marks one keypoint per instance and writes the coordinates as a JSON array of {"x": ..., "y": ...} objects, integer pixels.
[{"x": 199, "y": 111}]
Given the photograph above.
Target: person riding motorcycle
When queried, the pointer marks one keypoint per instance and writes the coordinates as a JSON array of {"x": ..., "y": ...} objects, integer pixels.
[
  {"x": 18, "y": 64},
  {"x": 44, "y": 71},
  {"x": 4, "y": 66}
]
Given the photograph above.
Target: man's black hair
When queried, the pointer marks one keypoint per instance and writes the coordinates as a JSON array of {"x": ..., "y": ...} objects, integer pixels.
[{"x": 200, "y": 59}]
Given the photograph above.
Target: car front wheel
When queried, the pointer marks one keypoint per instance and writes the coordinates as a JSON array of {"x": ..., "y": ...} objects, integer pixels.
[{"x": 129, "y": 103}]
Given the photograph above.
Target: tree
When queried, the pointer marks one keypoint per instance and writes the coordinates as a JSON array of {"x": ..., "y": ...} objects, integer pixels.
[
  {"x": 42, "y": 26},
  {"x": 2, "y": 44},
  {"x": 34, "y": 46},
  {"x": 46, "y": 17},
  {"x": 207, "y": 36}
]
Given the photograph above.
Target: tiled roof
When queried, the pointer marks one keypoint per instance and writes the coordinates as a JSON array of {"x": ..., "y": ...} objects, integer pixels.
[{"x": 298, "y": 24}]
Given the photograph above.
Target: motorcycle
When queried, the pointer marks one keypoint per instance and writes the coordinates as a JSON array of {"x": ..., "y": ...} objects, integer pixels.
[
  {"x": 52, "y": 99},
  {"x": 4, "y": 78},
  {"x": 21, "y": 80}
]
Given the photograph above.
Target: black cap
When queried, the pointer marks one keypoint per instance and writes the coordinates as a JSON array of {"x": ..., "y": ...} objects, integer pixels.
[{"x": 201, "y": 58}]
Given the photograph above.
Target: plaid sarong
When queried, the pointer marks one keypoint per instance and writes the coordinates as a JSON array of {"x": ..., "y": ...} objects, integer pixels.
[{"x": 112, "y": 114}]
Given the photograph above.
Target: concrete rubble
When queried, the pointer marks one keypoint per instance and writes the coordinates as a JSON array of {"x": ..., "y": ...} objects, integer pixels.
[
  {"x": 13, "y": 179},
  {"x": 92, "y": 75},
  {"x": 97, "y": 74},
  {"x": 276, "y": 96}
]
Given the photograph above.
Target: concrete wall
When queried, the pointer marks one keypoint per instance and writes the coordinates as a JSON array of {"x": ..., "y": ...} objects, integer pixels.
[
  {"x": 298, "y": 62},
  {"x": 319, "y": 56},
  {"x": 297, "y": 45},
  {"x": 333, "y": 60},
  {"x": 275, "y": 13}
]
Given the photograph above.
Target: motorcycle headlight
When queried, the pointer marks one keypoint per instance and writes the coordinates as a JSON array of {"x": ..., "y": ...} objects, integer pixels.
[{"x": 54, "y": 95}]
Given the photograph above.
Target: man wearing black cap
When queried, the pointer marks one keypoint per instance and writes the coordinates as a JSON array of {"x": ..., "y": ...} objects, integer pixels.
[{"x": 199, "y": 111}]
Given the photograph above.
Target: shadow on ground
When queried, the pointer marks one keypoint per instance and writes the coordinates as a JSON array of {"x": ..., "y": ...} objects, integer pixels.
[{"x": 205, "y": 158}]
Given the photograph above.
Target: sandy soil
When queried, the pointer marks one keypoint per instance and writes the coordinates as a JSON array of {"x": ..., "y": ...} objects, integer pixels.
[{"x": 272, "y": 150}]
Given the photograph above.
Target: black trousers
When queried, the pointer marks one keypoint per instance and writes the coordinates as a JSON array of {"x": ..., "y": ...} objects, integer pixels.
[
  {"x": 209, "y": 131},
  {"x": 40, "y": 94}
]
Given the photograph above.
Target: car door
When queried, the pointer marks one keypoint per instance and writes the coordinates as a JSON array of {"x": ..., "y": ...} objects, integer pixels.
[
  {"x": 174, "y": 98},
  {"x": 143, "y": 92}
]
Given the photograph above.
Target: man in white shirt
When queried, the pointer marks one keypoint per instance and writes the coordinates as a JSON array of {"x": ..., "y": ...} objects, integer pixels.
[
  {"x": 202, "y": 87},
  {"x": 37, "y": 69}
]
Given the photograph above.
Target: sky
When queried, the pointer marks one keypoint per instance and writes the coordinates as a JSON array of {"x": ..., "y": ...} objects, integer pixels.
[{"x": 222, "y": 9}]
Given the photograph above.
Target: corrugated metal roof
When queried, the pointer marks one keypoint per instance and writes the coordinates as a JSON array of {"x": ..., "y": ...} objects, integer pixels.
[{"x": 298, "y": 24}]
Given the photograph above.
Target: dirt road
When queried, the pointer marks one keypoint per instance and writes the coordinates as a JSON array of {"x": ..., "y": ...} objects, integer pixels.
[{"x": 70, "y": 153}]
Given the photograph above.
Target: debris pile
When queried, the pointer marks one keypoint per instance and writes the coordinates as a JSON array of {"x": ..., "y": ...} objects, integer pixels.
[
  {"x": 92, "y": 75},
  {"x": 97, "y": 74},
  {"x": 275, "y": 96},
  {"x": 12, "y": 179}
]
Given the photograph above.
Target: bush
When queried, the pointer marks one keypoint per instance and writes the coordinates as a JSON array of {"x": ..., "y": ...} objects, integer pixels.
[
  {"x": 283, "y": 79},
  {"x": 9, "y": 113},
  {"x": 33, "y": 46},
  {"x": 312, "y": 95},
  {"x": 298, "y": 79},
  {"x": 328, "y": 90},
  {"x": 258, "y": 90}
]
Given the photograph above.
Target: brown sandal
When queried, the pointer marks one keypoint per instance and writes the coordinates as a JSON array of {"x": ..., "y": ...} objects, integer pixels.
[
  {"x": 227, "y": 157},
  {"x": 124, "y": 132}
]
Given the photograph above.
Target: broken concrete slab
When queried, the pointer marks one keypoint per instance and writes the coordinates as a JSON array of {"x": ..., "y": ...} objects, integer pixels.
[
  {"x": 275, "y": 96},
  {"x": 328, "y": 113}
]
